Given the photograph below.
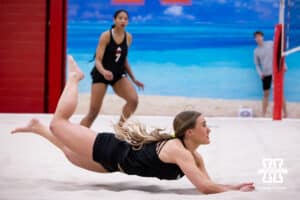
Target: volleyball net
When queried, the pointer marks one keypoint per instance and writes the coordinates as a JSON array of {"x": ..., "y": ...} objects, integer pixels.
[{"x": 291, "y": 22}]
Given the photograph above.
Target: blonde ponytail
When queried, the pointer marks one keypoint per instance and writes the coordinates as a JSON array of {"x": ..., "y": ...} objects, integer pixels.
[{"x": 136, "y": 134}]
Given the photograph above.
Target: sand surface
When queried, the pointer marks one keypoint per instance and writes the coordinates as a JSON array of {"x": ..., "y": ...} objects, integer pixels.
[{"x": 32, "y": 168}]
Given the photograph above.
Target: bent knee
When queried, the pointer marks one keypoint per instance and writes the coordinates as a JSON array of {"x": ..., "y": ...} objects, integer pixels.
[
  {"x": 133, "y": 102},
  {"x": 55, "y": 124}
]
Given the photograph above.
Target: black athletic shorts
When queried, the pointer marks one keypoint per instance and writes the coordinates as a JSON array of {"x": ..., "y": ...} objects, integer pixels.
[
  {"x": 110, "y": 152},
  {"x": 97, "y": 77},
  {"x": 267, "y": 82}
]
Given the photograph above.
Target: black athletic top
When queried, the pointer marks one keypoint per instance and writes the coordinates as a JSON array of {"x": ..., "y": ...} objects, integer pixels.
[
  {"x": 115, "y": 55},
  {"x": 116, "y": 155}
]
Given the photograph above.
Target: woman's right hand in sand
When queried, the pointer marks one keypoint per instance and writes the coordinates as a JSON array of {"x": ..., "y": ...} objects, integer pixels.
[
  {"x": 245, "y": 187},
  {"x": 108, "y": 75}
]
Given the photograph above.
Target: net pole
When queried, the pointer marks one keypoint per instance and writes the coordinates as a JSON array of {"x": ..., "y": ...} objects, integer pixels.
[{"x": 278, "y": 64}]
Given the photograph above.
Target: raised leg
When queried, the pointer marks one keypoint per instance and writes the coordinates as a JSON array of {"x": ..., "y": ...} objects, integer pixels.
[
  {"x": 34, "y": 126},
  {"x": 78, "y": 139}
]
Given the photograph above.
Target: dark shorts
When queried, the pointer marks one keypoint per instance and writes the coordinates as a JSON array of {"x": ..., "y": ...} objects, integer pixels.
[
  {"x": 267, "y": 82},
  {"x": 109, "y": 151},
  {"x": 97, "y": 77}
]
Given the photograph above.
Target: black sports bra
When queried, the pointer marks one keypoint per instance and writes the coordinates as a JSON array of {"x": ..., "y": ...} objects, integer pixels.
[{"x": 145, "y": 162}]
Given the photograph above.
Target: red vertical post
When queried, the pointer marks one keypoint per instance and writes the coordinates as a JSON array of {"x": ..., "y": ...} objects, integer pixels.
[
  {"x": 56, "y": 52},
  {"x": 278, "y": 73}
]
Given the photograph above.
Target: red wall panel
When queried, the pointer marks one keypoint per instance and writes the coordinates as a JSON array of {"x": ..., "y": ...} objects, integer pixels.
[
  {"x": 22, "y": 55},
  {"x": 32, "y": 54}
]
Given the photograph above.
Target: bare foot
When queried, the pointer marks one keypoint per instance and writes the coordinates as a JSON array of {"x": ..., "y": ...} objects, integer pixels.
[
  {"x": 30, "y": 127},
  {"x": 73, "y": 68}
]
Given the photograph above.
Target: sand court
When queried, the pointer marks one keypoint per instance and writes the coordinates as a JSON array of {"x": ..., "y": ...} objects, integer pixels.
[{"x": 32, "y": 168}]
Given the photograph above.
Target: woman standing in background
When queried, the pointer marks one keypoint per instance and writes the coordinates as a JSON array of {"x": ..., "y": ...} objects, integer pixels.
[{"x": 111, "y": 68}]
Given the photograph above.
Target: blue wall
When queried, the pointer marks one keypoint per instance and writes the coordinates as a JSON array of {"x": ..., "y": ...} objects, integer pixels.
[{"x": 202, "y": 50}]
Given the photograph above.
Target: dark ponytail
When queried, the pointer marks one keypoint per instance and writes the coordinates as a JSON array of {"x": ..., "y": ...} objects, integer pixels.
[{"x": 93, "y": 58}]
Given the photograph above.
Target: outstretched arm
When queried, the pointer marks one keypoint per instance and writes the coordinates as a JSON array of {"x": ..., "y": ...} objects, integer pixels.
[
  {"x": 200, "y": 164},
  {"x": 187, "y": 163},
  {"x": 193, "y": 167}
]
